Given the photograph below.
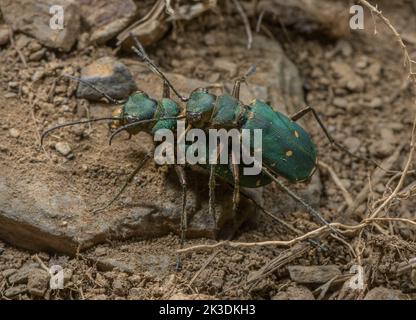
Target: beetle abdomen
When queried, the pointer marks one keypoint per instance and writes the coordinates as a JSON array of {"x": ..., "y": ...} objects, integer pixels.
[{"x": 287, "y": 148}]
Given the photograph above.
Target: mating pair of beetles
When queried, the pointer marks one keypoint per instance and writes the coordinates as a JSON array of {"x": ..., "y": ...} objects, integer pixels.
[{"x": 287, "y": 149}]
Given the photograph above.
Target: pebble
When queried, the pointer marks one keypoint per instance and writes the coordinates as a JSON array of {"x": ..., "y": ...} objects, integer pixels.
[
  {"x": 4, "y": 35},
  {"x": 10, "y": 95},
  {"x": 352, "y": 143},
  {"x": 14, "y": 133},
  {"x": 120, "y": 286},
  {"x": 381, "y": 293},
  {"x": 376, "y": 102},
  {"x": 63, "y": 148},
  {"x": 340, "y": 102},
  {"x": 225, "y": 65},
  {"x": 38, "y": 75},
  {"x": 36, "y": 56}
]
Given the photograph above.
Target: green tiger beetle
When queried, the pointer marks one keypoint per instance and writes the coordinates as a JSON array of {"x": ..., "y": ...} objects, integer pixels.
[{"x": 287, "y": 149}]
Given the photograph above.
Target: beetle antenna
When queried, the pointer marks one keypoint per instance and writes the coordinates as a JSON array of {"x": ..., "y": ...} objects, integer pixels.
[
  {"x": 139, "y": 50},
  {"x": 308, "y": 207},
  {"x": 136, "y": 123},
  {"x": 45, "y": 133},
  {"x": 90, "y": 85}
]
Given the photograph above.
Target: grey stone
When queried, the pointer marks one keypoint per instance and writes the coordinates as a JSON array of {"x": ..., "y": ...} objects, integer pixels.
[
  {"x": 33, "y": 18},
  {"x": 313, "y": 274},
  {"x": 381, "y": 293},
  {"x": 109, "y": 75}
]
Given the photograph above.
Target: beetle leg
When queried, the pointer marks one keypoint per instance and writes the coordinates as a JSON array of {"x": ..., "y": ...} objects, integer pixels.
[
  {"x": 308, "y": 207},
  {"x": 166, "y": 90},
  {"x": 332, "y": 141},
  {"x": 235, "y": 169},
  {"x": 184, "y": 218},
  {"x": 129, "y": 179},
  {"x": 237, "y": 83},
  {"x": 212, "y": 195},
  {"x": 139, "y": 50}
]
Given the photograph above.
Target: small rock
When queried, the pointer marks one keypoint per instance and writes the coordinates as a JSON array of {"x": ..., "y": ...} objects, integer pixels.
[
  {"x": 67, "y": 275},
  {"x": 4, "y": 34},
  {"x": 313, "y": 274},
  {"x": 38, "y": 75},
  {"x": 344, "y": 47},
  {"x": 63, "y": 148},
  {"x": 381, "y": 293},
  {"x": 99, "y": 251},
  {"x": 38, "y": 283},
  {"x": 347, "y": 77},
  {"x": 340, "y": 102},
  {"x": 376, "y": 102},
  {"x": 36, "y": 56},
  {"x": 109, "y": 264},
  {"x": 33, "y": 18},
  {"x": 120, "y": 286},
  {"x": 14, "y": 133},
  {"x": 352, "y": 143},
  {"x": 109, "y": 75},
  {"x": 374, "y": 71},
  {"x": 295, "y": 293},
  {"x": 15, "y": 291},
  {"x": 10, "y": 95},
  {"x": 385, "y": 146},
  {"x": 226, "y": 65}
]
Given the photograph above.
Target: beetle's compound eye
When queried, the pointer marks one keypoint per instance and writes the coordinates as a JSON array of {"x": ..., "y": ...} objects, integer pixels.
[{"x": 117, "y": 113}]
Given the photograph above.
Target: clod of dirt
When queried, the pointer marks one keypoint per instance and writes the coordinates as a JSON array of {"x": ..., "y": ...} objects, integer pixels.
[
  {"x": 110, "y": 76},
  {"x": 313, "y": 274},
  {"x": 34, "y": 18},
  {"x": 381, "y": 293},
  {"x": 4, "y": 34},
  {"x": 107, "y": 18},
  {"x": 295, "y": 293}
]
